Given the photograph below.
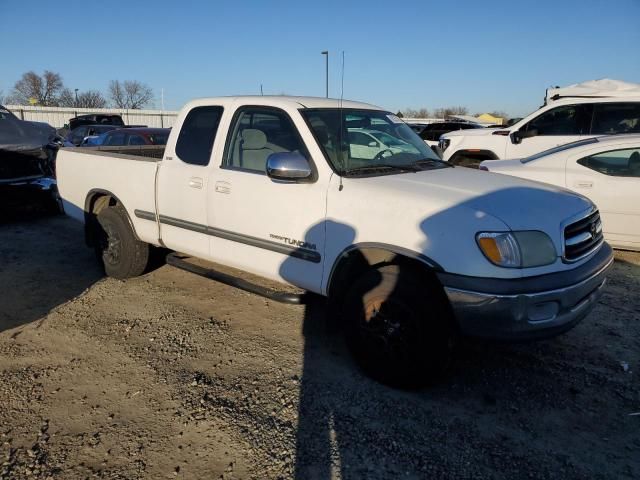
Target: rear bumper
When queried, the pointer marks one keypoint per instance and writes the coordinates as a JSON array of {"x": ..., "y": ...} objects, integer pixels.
[{"x": 527, "y": 310}]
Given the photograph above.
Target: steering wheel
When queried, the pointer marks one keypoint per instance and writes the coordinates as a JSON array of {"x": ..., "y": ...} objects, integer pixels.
[{"x": 381, "y": 154}]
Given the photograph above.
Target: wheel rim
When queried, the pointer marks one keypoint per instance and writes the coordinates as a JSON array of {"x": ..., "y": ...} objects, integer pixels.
[
  {"x": 390, "y": 330},
  {"x": 113, "y": 246}
]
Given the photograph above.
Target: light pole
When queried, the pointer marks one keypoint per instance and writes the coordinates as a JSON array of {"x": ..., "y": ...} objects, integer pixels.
[
  {"x": 76, "y": 97},
  {"x": 326, "y": 64}
]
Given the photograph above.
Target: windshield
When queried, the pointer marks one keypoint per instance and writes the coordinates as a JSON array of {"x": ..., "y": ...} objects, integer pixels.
[
  {"x": 375, "y": 141},
  {"x": 557, "y": 149}
]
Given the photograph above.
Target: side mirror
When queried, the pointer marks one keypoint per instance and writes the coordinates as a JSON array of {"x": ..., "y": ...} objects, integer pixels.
[
  {"x": 517, "y": 137},
  {"x": 288, "y": 167},
  {"x": 373, "y": 144}
]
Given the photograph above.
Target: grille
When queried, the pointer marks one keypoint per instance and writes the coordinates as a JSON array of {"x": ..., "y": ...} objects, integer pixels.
[{"x": 582, "y": 237}]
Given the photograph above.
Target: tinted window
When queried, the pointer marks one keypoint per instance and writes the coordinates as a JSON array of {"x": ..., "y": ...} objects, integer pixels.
[
  {"x": 115, "y": 139},
  {"x": 159, "y": 138},
  {"x": 136, "y": 140},
  {"x": 612, "y": 118},
  {"x": 618, "y": 163},
  {"x": 565, "y": 120},
  {"x": 197, "y": 135},
  {"x": 257, "y": 133}
]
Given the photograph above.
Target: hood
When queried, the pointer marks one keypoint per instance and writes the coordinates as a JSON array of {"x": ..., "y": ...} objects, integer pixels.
[
  {"x": 472, "y": 132},
  {"x": 22, "y": 136},
  {"x": 520, "y": 204}
]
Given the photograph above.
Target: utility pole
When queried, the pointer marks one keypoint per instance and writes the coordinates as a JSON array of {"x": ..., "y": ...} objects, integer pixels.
[
  {"x": 76, "y": 97},
  {"x": 326, "y": 64}
]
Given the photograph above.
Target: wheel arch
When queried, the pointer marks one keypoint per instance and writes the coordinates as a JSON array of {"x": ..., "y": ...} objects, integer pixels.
[
  {"x": 475, "y": 153},
  {"x": 356, "y": 259},
  {"x": 98, "y": 199}
]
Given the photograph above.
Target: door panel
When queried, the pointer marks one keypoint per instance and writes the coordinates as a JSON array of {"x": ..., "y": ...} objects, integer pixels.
[{"x": 273, "y": 229}]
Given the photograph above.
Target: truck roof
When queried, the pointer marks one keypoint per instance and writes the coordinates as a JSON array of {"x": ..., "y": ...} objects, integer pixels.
[{"x": 284, "y": 100}]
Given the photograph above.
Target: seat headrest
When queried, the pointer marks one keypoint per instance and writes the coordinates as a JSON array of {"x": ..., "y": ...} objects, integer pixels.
[
  {"x": 253, "y": 139},
  {"x": 634, "y": 161}
]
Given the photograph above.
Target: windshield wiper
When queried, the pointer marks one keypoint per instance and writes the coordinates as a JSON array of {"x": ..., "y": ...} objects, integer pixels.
[
  {"x": 383, "y": 166},
  {"x": 432, "y": 161}
]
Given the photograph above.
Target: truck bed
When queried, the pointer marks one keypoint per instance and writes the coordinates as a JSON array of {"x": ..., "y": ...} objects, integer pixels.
[{"x": 128, "y": 173}]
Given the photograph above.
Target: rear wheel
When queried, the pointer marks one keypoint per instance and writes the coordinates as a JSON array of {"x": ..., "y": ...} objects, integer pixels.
[
  {"x": 121, "y": 253},
  {"x": 399, "y": 327}
]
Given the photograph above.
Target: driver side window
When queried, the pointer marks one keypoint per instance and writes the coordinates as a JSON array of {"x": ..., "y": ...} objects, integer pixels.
[
  {"x": 257, "y": 133},
  {"x": 565, "y": 120}
]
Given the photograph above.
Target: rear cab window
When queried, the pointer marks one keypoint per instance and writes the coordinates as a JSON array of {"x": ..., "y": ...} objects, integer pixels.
[{"x": 197, "y": 135}]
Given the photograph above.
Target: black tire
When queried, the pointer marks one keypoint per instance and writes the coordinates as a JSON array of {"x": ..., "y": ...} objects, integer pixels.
[
  {"x": 121, "y": 253},
  {"x": 399, "y": 327}
]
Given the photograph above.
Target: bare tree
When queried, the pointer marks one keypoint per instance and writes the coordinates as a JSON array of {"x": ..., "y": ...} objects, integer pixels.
[
  {"x": 1, "y": 97},
  {"x": 67, "y": 98},
  {"x": 129, "y": 94},
  {"x": 419, "y": 113},
  {"x": 43, "y": 90},
  {"x": 450, "y": 111},
  {"x": 88, "y": 99}
]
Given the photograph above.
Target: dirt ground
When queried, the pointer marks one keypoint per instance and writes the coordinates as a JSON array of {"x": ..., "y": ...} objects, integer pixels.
[{"x": 173, "y": 376}]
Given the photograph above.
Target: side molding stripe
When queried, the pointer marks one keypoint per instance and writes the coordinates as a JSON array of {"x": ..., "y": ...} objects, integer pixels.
[{"x": 301, "y": 253}]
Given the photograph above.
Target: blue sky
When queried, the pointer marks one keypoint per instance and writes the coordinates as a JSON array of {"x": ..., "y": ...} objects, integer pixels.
[{"x": 486, "y": 55}]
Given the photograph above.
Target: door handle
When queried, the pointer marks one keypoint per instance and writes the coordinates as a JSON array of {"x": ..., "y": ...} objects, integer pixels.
[
  {"x": 195, "y": 182},
  {"x": 583, "y": 184},
  {"x": 223, "y": 187}
]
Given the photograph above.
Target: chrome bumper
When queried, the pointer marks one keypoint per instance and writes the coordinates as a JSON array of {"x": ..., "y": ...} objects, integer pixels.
[{"x": 526, "y": 316}]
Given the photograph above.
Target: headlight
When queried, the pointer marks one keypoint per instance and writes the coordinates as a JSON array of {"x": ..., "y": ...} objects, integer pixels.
[
  {"x": 517, "y": 249},
  {"x": 443, "y": 143}
]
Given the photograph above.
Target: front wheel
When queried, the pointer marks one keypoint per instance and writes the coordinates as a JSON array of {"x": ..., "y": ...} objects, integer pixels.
[
  {"x": 121, "y": 253},
  {"x": 399, "y": 327}
]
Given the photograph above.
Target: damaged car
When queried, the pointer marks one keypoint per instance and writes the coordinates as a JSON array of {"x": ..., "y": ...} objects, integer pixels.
[{"x": 27, "y": 158}]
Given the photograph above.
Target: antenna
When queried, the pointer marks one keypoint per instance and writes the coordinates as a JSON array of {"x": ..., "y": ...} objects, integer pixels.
[
  {"x": 342, "y": 120},
  {"x": 342, "y": 81}
]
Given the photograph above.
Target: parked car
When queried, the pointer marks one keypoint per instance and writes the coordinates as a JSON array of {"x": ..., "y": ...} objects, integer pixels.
[
  {"x": 95, "y": 119},
  {"x": 604, "y": 169},
  {"x": 372, "y": 143},
  {"x": 76, "y": 136},
  {"x": 602, "y": 107},
  {"x": 417, "y": 127},
  {"x": 409, "y": 250},
  {"x": 136, "y": 136},
  {"x": 27, "y": 158},
  {"x": 432, "y": 132}
]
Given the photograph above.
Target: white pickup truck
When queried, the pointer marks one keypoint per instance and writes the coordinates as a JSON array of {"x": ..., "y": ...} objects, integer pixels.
[{"x": 413, "y": 251}]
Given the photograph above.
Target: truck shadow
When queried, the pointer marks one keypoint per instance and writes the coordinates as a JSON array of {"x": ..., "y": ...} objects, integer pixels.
[
  {"x": 43, "y": 263},
  {"x": 352, "y": 427}
]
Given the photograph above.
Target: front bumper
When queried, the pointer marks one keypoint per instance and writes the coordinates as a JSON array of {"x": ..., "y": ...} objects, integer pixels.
[{"x": 530, "y": 308}]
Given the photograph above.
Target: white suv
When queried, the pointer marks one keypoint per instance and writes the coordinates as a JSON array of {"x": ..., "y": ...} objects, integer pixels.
[{"x": 569, "y": 114}]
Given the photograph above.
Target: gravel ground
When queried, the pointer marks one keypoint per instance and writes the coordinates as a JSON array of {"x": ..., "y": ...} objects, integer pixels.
[{"x": 173, "y": 376}]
